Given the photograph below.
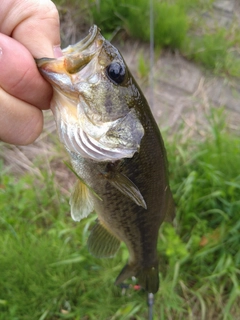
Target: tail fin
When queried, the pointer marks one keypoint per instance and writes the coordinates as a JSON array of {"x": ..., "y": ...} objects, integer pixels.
[{"x": 148, "y": 278}]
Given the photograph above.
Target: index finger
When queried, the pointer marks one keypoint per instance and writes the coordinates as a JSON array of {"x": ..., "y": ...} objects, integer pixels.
[{"x": 19, "y": 75}]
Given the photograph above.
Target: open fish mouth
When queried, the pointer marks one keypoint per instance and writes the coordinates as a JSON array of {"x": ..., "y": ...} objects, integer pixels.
[
  {"x": 78, "y": 55},
  {"x": 74, "y": 58},
  {"x": 93, "y": 118},
  {"x": 84, "y": 43}
]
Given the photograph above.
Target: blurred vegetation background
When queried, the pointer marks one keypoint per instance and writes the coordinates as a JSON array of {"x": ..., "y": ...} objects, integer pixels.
[
  {"x": 46, "y": 272},
  {"x": 178, "y": 25}
]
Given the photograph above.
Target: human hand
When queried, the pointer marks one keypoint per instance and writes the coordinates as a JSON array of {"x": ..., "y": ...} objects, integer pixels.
[{"x": 28, "y": 29}]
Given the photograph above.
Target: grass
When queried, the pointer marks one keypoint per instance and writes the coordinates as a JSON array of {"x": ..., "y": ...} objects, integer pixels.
[
  {"x": 215, "y": 51},
  {"x": 47, "y": 272},
  {"x": 178, "y": 25},
  {"x": 170, "y": 20}
]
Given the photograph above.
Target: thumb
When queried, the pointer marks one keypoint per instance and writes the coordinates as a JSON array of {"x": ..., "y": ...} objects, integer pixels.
[{"x": 36, "y": 26}]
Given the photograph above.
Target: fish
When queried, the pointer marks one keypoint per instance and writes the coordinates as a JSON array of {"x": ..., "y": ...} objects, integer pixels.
[{"x": 116, "y": 151}]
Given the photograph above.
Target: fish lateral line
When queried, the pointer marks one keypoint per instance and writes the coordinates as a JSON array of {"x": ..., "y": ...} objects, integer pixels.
[{"x": 90, "y": 188}]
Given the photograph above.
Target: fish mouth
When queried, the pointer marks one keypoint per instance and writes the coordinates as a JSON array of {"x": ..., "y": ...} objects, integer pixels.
[
  {"x": 85, "y": 42},
  {"x": 84, "y": 128},
  {"x": 74, "y": 58}
]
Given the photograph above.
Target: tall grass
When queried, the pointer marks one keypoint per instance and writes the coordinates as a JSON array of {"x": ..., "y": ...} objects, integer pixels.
[
  {"x": 47, "y": 272},
  {"x": 178, "y": 24},
  {"x": 207, "y": 226},
  {"x": 170, "y": 20}
]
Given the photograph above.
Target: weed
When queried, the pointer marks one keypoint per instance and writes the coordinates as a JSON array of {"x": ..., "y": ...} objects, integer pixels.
[
  {"x": 213, "y": 51},
  {"x": 109, "y": 15},
  {"x": 170, "y": 21},
  {"x": 143, "y": 66}
]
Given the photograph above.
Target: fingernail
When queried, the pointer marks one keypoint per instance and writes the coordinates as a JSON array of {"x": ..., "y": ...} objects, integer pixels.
[{"x": 57, "y": 51}]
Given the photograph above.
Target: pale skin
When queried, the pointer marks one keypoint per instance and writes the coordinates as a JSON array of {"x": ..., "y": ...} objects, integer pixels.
[{"x": 28, "y": 29}]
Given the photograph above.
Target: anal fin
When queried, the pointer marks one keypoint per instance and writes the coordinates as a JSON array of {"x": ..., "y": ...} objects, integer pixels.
[
  {"x": 101, "y": 243},
  {"x": 127, "y": 272}
]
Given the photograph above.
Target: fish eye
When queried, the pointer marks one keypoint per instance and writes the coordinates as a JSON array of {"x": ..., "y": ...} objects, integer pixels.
[{"x": 116, "y": 72}]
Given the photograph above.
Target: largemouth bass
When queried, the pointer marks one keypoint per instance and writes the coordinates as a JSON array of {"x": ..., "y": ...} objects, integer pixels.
[{"x": 116, "y": 150}]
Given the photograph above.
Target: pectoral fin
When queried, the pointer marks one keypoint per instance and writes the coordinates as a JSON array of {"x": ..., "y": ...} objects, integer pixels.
[
  {"x": 127, "y": 187},
  {"x": 81, "y": 201},
  {"x": 101, "y": 243}
]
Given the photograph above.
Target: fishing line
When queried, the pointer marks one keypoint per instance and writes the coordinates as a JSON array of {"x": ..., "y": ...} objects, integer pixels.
[
  {"x": 150, "y": 305},
  {"x": 150, "y": 298},
  {"x": 151, "y": 51}
]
